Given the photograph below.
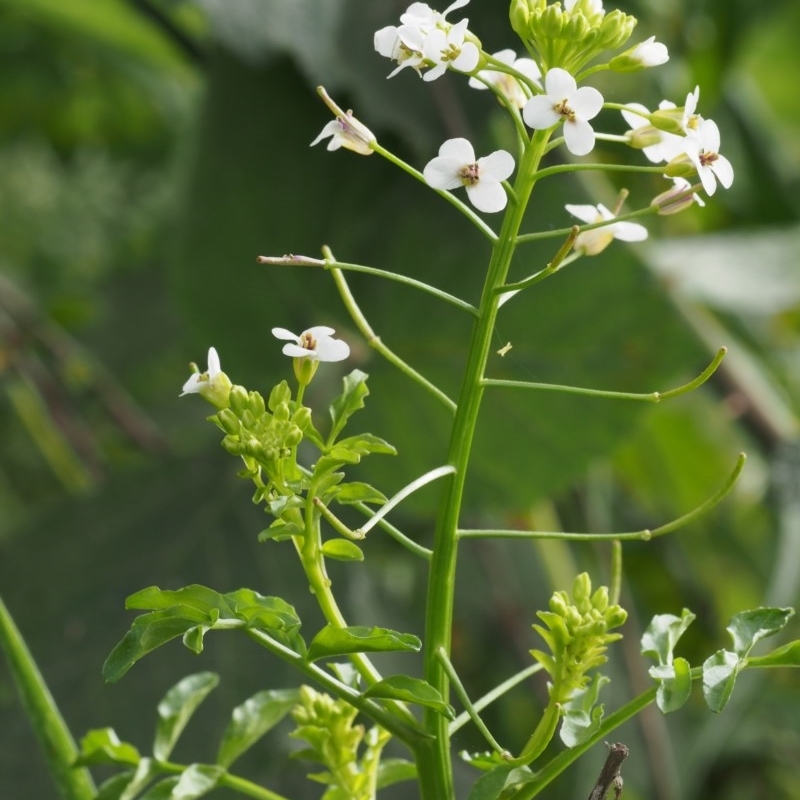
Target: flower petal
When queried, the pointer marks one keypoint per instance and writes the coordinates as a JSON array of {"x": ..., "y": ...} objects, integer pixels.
[
  {"x": 442, "y": 173},
  {"x": 213, "y": 362},
  {"x": 723, "y": 170},
  {"x": 332, "y": 349},
  {"x": 496, "y": 166},
  {"x": 579, "y": 137},
  {"x": 586, "y": 102},
  {"x": 539, "y": 113},
  {"x": 282, "y": 333},
  {"x": 588, "y": 214},
  {"x": 460, "y": 149},
  {"x": 629, "y": 231},
  {"x": 487, "y": 196},
  {"x": 558, "y": 83},
  {"x": 295, "y": 351}
]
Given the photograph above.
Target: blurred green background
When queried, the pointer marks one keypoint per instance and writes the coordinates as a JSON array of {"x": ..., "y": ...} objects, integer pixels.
[{"x": 151, "y": 149}]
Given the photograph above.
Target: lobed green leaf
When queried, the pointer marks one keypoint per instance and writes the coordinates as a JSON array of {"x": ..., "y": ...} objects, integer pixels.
[
  {"x": 719, "y": 676},
  {"x": 675, "y": 684},
  {"x": 102, "y": 746},
  {"x": 411, "y": 690},
  {"x": 663, "y": 633},
  {"x": 342, "y": 550},
  {"x": 749, "y": 627},
  {"x": 195, "y": 611},
  {"x": 177, "y": 707},
  {"x": 356, "y": 492},
  {"x": 349, "y": 401},
  {"x": 252, "y": 719},
  {"x": 196, "y": 780},
  {"x": 335, "y": 641},
  {"x": 394, "y": 770}
]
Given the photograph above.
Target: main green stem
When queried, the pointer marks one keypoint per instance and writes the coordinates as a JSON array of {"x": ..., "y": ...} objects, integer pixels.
[{"x": 433, "y": 756}]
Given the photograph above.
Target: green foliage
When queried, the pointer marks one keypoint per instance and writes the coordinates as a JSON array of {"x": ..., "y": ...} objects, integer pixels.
[
  {"x": 333, "y": 640},
  {"x": 193, "y": 611}
]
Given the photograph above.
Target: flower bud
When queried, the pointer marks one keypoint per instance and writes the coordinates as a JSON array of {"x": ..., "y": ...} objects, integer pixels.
[
  {"x": 255, "y": 403},
  {"x": 228, "y": 421}
]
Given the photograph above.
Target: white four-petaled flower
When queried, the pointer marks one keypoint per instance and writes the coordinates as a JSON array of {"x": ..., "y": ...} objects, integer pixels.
[
  {"x": 592, "y": 242},
  {"x": 425, "y": 38},
  {"x": 315, "y": 344},
  {"x": 650, "y": 53},
  {"x": 509, "y": 86},
  {"x": 346, "y": 131},
  {"x": 564, "y": 102},
  {"x": 456, "y": 166},
  {"x": 201, "y": 380},
  {"x": 702, "y": 147}
]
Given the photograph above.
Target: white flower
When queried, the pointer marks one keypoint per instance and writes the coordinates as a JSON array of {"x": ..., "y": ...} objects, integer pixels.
[
  {"x": 456, "y": 166},
  {"x": 346, "y": 131},
  {"x": 315, "y": 344},
  {"x": 508, "y": 85},
  {"x": 592, "y": 242},
  {"x": 448, "y": 49},
  {"x": 676, "y": 199},
  {"x": 406, "y": 44},
  {"x": 564, "y": 102},
  {"x": 702, "y": 147},
  {"x": 650, "y": 53},
  {"x": 663, "y": 146},
  {"x": 213, "y": 384},
  {"x": 402, "y": 45}
]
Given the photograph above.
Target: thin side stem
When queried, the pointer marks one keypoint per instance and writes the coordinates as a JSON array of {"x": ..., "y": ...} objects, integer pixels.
[
  {"x": 643, "y": 535},
  {"x": 374, "y": 341}
]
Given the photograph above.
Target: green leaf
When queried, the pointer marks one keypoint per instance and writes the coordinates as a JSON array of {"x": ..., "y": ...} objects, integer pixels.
[
  {"x": 162, "y": 790},
  {"x": 663, "y": 633},
  {"x": 675, "y": 684},
  {"x": 145, "y": 773},
  {"x": 395, "y": 770},
  {"x": 719, "y": 677},
  {"x": 491, "y": 786},
  {"x": 252, "y": 719},
  {"x": 196, "y": 780},
  {"x": 748, "y": 627},
  {"x": 335, "y": 641},
  {"x": 786, "y": 656},
  {"x": 349, "y": 401},
  {"x": 177, "y": 707},
  {"x": 411, "y": 690},
  {"x": 279, "y": 531},
  {"x": 102, "y": 746},
  {"x": 356, "y": 492},
  {"x": 195, "y": 611},
  {"x": 342, "y": 550},
  {"x": 194, "y": 599},
  {"x": 270, "y": 614},
  {"x": 113, "y": 788},
  {"x": 148, "y": 632},
  {"x": 366, "y": 443},
  {"x": 583, "y": 714}
]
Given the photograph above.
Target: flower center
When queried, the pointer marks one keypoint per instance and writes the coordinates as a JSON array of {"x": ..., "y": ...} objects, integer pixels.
[
  {"x": 562, "y": 107},
  {"x": 308, "y": 342},
  {"x": 469, "y": 174},
  {"x": 707, "y": 159}
]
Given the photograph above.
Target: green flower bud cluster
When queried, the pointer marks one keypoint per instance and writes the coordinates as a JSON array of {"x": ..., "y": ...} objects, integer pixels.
[
  {"x": 326, "y": 725},
  {"x": 266, "y": 432},
  {"x": 577, "y": 633},
  {"x": 568, "y": 39}
]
